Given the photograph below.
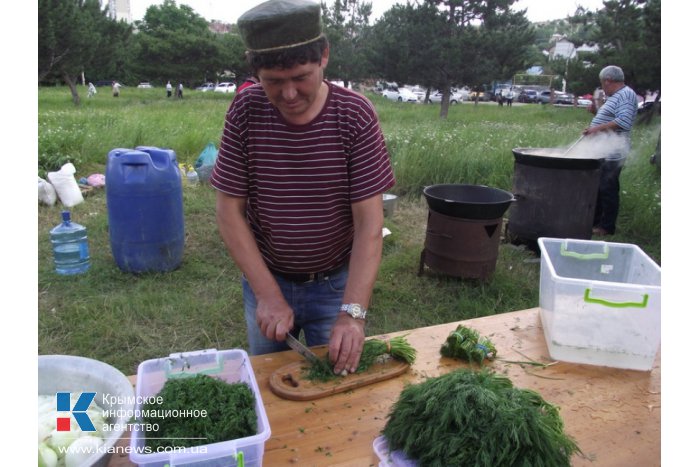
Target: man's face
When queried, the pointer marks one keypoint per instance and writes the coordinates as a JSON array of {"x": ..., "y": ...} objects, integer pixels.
[
  {"x": 607, "y": 86},
  {"x": 295, "y": 91}
]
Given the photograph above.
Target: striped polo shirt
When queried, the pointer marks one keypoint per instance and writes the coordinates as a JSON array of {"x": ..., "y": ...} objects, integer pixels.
[
  {"x": 621, "y": 108},
  {"x": 301, "y": 179}
]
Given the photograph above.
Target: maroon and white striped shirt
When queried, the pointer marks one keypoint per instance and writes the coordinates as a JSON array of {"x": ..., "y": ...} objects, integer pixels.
[{"x": 301, "y": 179}]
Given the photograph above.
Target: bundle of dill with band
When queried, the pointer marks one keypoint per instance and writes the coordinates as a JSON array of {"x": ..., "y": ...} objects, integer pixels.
[
  {"x": 477, "y": 418},
  {"x": 372, "y": 352},
  {"x": 230, "y": 412},
  {"x": 467, "y": 344}
]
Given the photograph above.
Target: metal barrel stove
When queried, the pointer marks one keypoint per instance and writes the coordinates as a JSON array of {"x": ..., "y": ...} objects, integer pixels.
[
  {"x": 556, "y": 195},
  {"x": 464, "y": 229}
]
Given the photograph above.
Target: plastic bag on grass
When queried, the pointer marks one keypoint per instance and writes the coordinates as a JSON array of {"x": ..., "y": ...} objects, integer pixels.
[
  {"x": 47, "y": 193},
  {"x": 205, "y": 162},
  {"x": 66, "y": 186}
]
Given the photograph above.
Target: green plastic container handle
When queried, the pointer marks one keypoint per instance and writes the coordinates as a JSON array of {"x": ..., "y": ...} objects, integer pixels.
[
  {"x": 584, "y": 256},
  {"x": 599, "y": 301}
]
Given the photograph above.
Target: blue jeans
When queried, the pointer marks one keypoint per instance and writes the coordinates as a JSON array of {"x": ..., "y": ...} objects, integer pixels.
[
  {"x": 316, "y": 306},
  {"x": 608, "y": 202}
]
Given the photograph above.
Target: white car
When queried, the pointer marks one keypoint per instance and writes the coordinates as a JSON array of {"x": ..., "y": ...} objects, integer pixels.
[
  {"x": 583, "y": 102},
  {"x": 225, "y": 87},
  {"x": 400, "y": 95},
  {"x": 206, "y": 87},
  {"x": 436, "y": 96},
  {"x": 144, "y": 86}
]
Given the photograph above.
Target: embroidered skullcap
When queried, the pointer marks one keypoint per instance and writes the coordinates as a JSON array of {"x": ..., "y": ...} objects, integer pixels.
[{"x": 280, "y": 24}]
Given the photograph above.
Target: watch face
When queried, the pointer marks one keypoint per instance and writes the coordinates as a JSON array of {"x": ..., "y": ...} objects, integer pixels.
[{"x": 355, "y": 310}]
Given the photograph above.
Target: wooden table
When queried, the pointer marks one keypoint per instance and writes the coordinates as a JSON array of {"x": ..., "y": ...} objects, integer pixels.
[{"x": 614, "y": 415}]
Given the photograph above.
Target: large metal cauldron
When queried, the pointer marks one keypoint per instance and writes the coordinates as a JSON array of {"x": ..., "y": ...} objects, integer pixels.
[
  {"x": 556, "y": 195},
  {"x": 468, "y": 201},
  {"x": 464, "y": 229}
]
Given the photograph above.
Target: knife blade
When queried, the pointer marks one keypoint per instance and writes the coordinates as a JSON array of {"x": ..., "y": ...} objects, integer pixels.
[{"x": 301, "y": 348}]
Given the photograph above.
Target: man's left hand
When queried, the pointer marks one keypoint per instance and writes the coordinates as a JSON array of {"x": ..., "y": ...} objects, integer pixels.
[{"x": 346, "y": 343}]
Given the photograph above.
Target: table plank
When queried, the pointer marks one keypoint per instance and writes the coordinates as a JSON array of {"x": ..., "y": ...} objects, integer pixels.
[{"x": 613, "y": 414}]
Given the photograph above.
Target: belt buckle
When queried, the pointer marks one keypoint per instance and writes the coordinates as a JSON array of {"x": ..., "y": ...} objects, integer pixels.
[{"x": 312, "y": 277}]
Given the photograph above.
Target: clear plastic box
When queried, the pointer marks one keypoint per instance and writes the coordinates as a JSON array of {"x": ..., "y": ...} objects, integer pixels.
[
  {"x": 393, "y": 458},
  {"x": 233, "y": 366},
  {"x": 600, "y": 303}
]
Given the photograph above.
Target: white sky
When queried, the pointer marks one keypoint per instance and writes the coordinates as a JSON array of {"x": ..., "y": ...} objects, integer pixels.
[{"x": 228, "y": 11}]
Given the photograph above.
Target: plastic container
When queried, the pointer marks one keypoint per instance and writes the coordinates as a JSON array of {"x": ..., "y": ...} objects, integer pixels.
[
  {"x": 192, "y": 177},
  {"x": 389, "y": 202},
  {"x": 393, "y": 458},
  {"x": 233, "y": 366},
  {"x": 113, "y": 394},
  {"x": 600, "y": 303},
  {"x": 71, "y": 254},
  {"x": 145, "y": 211}
]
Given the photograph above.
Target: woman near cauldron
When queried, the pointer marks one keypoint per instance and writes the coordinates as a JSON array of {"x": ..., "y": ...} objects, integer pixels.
[{"x": 616, "y": 115}]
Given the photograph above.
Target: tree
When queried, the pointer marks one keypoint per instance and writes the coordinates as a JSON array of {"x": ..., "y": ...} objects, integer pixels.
[
  {"x": 73, "y": 36},
  {"x": 346, "y": 24},
  {"x": 444, "y": 43},
  {"x": 175, "y": 43},
  {"x": 629, "y": 36}
]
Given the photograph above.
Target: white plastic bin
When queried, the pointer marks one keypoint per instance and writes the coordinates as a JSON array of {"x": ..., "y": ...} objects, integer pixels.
[
  {"x": 233, "y": 366},
  {"x": 600, "y": 303}
]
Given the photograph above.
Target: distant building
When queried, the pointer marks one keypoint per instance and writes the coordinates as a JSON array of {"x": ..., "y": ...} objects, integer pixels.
[
  {"x": 563, "y": 48},
  {"x": 120, "y": 10},
  {"x": 219, "y": 27}
]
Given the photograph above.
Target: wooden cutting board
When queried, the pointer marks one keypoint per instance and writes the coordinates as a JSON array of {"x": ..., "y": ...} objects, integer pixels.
[{"x": 288, "y": 381}]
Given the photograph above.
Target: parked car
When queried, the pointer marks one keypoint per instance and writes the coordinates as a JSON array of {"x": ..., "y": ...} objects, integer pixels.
[
  {"x": 144, "y": 85},
  {"x": 543, "y": 97},
  {"x": 400, "y": 95},
  {"x": 206, "y": 87},
  {"x": 584, "y": 102},
  {"x": 464, "y": 92},
  {"x": 225, "y": 87},
  {"x": 483, "y": 96},
  {"x": 419, "y": 92},
  {"x": 528, "y": 96},
  {"x": 563, "y": 98},
  {"x": 436, "y": 96}
]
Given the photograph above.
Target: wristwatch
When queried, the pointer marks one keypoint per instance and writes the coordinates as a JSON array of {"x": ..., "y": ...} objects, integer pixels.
[{"x": 354, "y": 309}]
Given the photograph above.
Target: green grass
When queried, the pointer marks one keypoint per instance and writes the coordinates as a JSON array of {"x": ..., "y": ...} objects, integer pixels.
[{"x": 123, "y": 319}]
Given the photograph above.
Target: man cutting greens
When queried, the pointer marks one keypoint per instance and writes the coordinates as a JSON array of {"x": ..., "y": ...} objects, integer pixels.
[{"x": 300, "y": 176}]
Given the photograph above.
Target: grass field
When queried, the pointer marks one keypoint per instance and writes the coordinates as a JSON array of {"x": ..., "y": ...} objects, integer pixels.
[{"x": 123, "y": 319}]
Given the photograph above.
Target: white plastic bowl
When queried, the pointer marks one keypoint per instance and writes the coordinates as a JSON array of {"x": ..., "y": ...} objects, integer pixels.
[{"x": 67, "y": 373}]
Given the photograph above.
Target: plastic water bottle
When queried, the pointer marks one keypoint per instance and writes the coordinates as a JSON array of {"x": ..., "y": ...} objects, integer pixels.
[
  {"x": 70, "y": 247},
  {"x": 192, "y": 177}
]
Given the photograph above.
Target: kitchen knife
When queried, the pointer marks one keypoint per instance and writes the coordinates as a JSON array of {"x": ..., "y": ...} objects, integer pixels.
[{"x": 301, "y": 348}]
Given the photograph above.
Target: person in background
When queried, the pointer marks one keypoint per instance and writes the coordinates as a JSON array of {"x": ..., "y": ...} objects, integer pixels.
[
  {"x": 115, "y": 88},
  {"x": 509, "y": 97},
  {"x": 250, "y": 81},
  {"x": 91, "y": 90},
  {"x": 168, "y": 89},
  {"x": 300, "y": 174},
  {"x": 615, "y": 116},
  {"x": 179, "y": 91}
]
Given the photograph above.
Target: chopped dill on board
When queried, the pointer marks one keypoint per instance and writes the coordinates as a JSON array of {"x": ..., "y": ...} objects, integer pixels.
[{"x": 372, "y": 352}]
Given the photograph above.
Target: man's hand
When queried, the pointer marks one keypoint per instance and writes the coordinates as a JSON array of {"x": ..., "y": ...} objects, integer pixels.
[
  {"x": 347, "y": 341},
  {"x": 275, "y": 318}
]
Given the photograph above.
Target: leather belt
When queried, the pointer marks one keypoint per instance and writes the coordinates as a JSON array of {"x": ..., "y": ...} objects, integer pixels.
[{"x": 307, "y": 277}]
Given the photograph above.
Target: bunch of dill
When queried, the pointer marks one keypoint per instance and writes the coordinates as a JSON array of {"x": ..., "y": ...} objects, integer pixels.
[
  {"x": 396, "y": 347},
  {"x": 230, "y": 412},
  {"x": 479, "y": 419},
  {"x": 467, "y": 344}
]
